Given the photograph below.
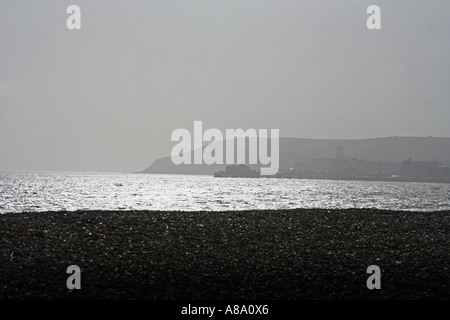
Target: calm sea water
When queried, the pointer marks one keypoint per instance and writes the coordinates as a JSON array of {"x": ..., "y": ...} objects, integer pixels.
[{"x": 114, "y": 191}]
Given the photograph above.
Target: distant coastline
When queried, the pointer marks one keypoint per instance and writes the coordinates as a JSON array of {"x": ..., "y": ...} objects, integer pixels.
[
  {"x": 243, "y": 171},
  {"x": 387, "y": 179},
  {"x": 421, "y": 159}
]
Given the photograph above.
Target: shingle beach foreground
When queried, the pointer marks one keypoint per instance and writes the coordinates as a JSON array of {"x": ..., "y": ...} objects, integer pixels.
[{"x": 272, "y": 255}]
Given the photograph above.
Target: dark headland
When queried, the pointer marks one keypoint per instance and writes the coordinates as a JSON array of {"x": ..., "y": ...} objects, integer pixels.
[{"x": 273, "y": 255}]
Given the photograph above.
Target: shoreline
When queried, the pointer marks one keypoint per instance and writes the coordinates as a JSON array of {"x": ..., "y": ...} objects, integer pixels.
[
  {"x": 344, "y": 178},
  {"x": 291, "y": 254}
]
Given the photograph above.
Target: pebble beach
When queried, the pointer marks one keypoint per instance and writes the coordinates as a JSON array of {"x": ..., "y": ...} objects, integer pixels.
[{"x": 237, "y": 255}]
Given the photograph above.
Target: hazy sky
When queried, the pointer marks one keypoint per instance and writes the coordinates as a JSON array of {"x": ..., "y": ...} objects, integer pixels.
[{"x": 107, "y": 97}]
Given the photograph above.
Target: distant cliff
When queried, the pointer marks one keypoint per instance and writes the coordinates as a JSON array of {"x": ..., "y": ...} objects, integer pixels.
[{"x": 293, "y": 150}]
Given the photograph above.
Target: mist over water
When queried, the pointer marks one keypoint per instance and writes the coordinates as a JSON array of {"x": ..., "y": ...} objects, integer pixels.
[{"x": 55, "y": 191}]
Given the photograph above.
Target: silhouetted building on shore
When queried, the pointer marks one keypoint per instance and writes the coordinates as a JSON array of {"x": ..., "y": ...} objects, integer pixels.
[
  {"x": 237, "y": 171},
  {"x": 420, "y": 169}
]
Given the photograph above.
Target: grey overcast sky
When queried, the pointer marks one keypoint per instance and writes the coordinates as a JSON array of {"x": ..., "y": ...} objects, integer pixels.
[{"x": 107, "y": 97}]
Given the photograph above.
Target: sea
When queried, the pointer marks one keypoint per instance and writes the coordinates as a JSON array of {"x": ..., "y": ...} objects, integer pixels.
[{"x": 70, "y": 191}]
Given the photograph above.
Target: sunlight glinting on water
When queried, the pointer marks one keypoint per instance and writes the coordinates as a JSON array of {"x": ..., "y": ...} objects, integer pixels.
[{"x": 52, "y": 191}]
